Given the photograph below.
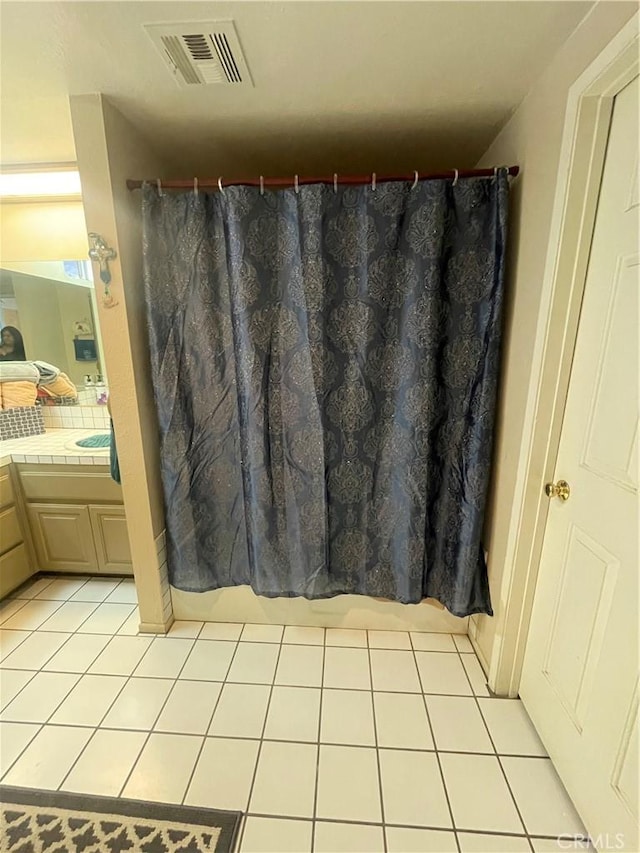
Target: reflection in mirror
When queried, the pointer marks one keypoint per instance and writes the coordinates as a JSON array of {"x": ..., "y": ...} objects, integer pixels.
[{"x": 48, "y": 314}]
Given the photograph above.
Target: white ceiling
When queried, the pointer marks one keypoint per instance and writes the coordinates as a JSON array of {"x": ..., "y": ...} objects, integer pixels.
[{"x": 339, "y": 86}]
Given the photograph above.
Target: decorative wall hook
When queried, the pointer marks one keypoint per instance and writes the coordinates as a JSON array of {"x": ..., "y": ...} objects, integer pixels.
[{"x": 101, "y": 253}]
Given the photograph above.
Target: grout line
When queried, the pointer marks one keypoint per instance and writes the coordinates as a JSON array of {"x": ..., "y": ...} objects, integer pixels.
[
  {"x": 204, "y": 734},
  {"x": 264, "y": 726},
  {"x": 428, "y": 828},
  {"x": 31, "y": 581},
  {"x": 7, "y": 618},
  {"x": 64, "y": 671},
  {"x": 35, "y": 672},
  {"x": 68, "y": 598},
  {"x": 156, "y": 639},
  {"x": 77, "y": 758},
  {"x": 213, "y": 712},
  {"x": 114, "y": 633},
  {"x": 80, "y": 754},
  {"x": 168, "y": 636},
  {"x": 148, "y": 738},
  {"x": 343, "y": 744},
  {"x": 3, "y": 659},
  {"x": 420, "y": 827},
  {"x": 317, "y": 779},
  {"x": 41, "y": 723},
  {"x": 375, "y": 738},
  {"x": 435, "y": 746},
  {"x": 33, "y": 675},
  {"x": 160, "y": 638},
  {"x": 73, "y": 631},
  {"x": 127, "y": 678},
  {"x": 100, "y": 727},
  {"x": 103, "y": 717},
  {"x": 43, "y": 664},
  {"x": 197, "y": 636},
  {"x": 39, "y": 626},
  {"x": 495, "y": 752},
  {"x": 87, "y": 633},
  {"x": 22, "y": 751}
]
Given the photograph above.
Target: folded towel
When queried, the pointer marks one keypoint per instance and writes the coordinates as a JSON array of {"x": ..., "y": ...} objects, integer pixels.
[
  {"x": 61, "y": 386},
  {"x": 48, "y": 372},
  {"x": 50, "y": 378},
  {"x": 19, "y": 371},
  {"x": 17, "y": 393}
]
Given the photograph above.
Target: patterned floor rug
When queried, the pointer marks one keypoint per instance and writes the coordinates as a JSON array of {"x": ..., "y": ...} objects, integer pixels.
[{"x": 34, "y": 821}]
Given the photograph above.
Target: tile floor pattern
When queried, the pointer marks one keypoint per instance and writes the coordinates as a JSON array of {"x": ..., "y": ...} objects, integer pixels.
[{"x": 329, "y": 740}]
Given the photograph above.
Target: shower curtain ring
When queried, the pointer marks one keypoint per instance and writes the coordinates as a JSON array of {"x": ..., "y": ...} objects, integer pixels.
[
  {"x": 415, "y": 180},
  {"x": 220, "y": 187},
  {"x": 373, "y": 182},
  {"x": 195, "y": 188},
  {"x": 335, "y": 182},
  {"x": 496, "y": 169},
  {"x": 457, "y": 175},
  {"x": 261, "y": 185},
  {"x": 295, "y": 184},
  {"x": 159, "y": 186}
]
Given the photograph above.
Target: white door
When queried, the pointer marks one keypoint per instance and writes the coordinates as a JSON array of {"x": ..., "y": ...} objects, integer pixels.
[{"x": 580, "y": 677}]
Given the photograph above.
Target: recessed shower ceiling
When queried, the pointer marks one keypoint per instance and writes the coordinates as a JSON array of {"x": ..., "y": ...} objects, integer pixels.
[{"x": 338, "y": 86}]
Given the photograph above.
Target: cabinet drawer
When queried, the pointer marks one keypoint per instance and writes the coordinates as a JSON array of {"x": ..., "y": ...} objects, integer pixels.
[
  {"x": 63, "y": 537},
  {"x": 10, "y": 532},
  {"x": 63, "y": 486},
  {"x": 14, "y": 569},
  {"x": 6, "y": 488}
]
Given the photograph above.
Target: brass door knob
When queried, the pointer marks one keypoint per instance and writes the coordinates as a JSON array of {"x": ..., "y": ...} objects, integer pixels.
[{"x": 561, "y": 490}]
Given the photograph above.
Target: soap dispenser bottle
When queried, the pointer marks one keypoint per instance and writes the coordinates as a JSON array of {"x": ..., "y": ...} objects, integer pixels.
[
  {"x": 101, "y": 391},
  {"x": 89, "y": 394}
]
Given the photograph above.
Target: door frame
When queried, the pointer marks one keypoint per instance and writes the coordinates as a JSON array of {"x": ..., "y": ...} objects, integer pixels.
[{"x": 582, "y": 154}]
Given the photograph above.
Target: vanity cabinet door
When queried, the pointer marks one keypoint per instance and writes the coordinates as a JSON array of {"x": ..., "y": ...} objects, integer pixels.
[
  {"x": 10, "y": 533},
  {"x": 111, "y": 539},
  {"x": 63, "y": 537}
]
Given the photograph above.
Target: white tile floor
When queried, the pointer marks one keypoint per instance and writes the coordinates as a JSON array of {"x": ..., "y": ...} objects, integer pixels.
[{"x": 336, "y": 740}]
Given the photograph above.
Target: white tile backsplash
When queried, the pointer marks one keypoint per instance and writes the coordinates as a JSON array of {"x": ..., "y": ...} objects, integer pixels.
[{"x": 73, "y": 417}]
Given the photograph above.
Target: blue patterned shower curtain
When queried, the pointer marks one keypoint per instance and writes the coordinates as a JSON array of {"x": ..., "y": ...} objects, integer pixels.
[{"x": 325, "y": 368}]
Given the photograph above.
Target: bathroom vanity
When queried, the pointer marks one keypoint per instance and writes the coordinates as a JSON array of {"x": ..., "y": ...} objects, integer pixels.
[
  {"x": 60, "y": 511},
  {"x": 16, "y": 563}
]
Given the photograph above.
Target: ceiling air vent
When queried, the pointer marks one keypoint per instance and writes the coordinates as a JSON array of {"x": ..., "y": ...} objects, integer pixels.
[{"x": 201, "y": 53}]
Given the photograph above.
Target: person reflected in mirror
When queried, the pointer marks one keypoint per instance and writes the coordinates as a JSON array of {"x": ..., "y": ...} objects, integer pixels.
[{"x": 11, "y": 345}]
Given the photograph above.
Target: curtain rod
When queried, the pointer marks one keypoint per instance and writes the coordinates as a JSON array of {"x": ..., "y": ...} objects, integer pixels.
[{"x": 295, "y": 181}]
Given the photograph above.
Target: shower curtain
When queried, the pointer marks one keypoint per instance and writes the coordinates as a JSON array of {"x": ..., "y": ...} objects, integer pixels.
[{"x": 325, "y": 368}]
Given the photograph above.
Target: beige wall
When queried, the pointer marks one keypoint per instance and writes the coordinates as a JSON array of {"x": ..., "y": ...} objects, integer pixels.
[
  {"x": 46, "y": 313},
  {"x": 109, "y": 151},
  {"x": 39, "y": 319},
  {"x": 74, "y": 303},
  {"x": 42, "y": 232},
  {"x": 532, "y": 138}
]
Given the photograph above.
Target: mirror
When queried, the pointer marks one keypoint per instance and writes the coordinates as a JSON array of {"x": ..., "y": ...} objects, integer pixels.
[{"x": 52, "y": 304}]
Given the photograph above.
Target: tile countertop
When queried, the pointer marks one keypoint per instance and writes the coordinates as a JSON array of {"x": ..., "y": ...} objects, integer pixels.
[{"x": 55, "y": 446}]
